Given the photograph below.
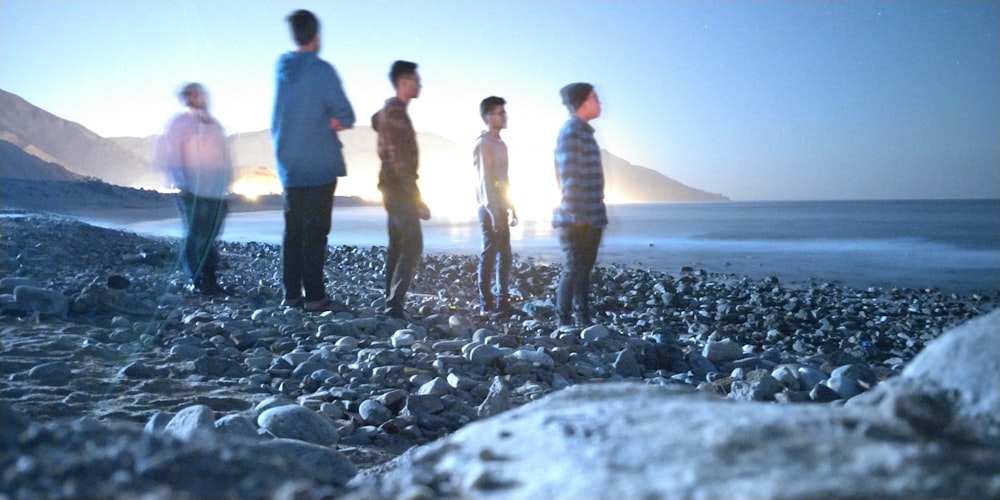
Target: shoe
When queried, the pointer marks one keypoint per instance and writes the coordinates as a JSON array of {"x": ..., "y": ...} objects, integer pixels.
[
  {"x": 293, "y": 303},
  {"x": 566, "y": 328},
  {"x": 403, "y": 315},
  {"x": 564, "y": 320},
  {"x": 326, "y": 304},
  {"x": 506, "y": 311},
  {"x": 210, "y": 288}
]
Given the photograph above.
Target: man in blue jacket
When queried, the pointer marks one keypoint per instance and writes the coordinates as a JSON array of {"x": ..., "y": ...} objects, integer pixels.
[{"x": 310, "y": 107}]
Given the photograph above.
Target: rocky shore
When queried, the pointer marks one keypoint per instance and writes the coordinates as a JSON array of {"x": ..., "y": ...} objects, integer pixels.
[{"x": 118, "y": 383}]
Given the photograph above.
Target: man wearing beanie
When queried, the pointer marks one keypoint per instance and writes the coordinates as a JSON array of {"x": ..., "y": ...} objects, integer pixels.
[{"x": 581, "y": 216}]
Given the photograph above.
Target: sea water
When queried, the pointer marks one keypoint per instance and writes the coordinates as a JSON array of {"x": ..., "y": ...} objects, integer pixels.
[{"x": 951, "y": 245}]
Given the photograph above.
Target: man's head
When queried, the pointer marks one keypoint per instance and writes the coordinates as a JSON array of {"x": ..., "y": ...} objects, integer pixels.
[
  {"x": 581, "y": 100},
  {"x": 193, "y": 95},
  {"x": 405, "y": 79},
  {"x": 493, "y": 113},
  {"x": 304, "y": 25}
]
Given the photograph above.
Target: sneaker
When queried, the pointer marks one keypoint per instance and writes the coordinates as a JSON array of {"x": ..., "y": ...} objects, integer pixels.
[
  {"x": 404, "y": 316},
  {"x": 326, "y": 304},
  {"x": 209, "y": 289},
  {"x": 506, "y": 311},
  {"x": 292, "y": 303}
]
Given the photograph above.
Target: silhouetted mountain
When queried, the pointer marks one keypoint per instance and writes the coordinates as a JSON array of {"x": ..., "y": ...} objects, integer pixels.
[
  {"x": 125, "y": 160},
  {"x": 69, "y": 144},
  {"x": 641, "y": 184},
  {"x": 15, "y": 163},
  {"x": 441, "y": 161}
]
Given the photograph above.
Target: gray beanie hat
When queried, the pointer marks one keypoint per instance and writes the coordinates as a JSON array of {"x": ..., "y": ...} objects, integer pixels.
[{"x": 574, "y": 94}]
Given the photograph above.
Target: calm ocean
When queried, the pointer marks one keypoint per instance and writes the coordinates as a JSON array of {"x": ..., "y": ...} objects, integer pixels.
[{"x": 952, "y": 245}]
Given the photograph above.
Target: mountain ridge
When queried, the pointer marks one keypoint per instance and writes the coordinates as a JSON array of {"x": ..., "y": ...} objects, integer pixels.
[{"x": 125, "y": 161}]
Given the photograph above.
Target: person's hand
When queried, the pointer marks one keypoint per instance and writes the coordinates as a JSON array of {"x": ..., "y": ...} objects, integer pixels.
[
  {"x": 513, "y": 217},
  {"x": 423, "y": 211},
  {"x": 495, "y": 222},
  {"x": 335, "y": 125}
]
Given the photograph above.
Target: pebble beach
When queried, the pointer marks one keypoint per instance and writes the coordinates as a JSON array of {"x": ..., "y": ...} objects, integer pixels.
[{"x": 118, "y": 382}]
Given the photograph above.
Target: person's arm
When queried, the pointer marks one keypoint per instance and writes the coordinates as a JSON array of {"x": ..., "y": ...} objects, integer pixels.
[
  {"x": 394, "y": 143},
  {"x": 167, "y": 153},
  {"x": 397, "y": 150},
  {"x": 494, "y": 198},
  {"x": 340, "y": 109},
  {"x": 569, "y": 157}
]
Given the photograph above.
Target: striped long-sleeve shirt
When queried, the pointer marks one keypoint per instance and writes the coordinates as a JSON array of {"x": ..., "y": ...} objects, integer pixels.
[{"x": 580, "y": 176}]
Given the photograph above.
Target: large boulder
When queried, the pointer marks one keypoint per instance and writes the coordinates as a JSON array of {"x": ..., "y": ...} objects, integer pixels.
[
  {"x": 630, "y": 440},
  {"x": 966, "y": 360}
]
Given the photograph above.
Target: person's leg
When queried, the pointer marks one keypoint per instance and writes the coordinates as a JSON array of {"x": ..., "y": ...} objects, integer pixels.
[
  {"x": 589, "y": 242},
  {"x": 391, "y": 254},
  {"x": 185, "y": 206},
  {"x": 410, "y": 246},
  {"x": 487, "y": 262},
  {"x": 505, "y": 260},
  {"x": 568, "y": 278},
  {"x": 316, "y": 227},
  {"x": 210, "y": 214},
  {"x": 291, "y": 246}
]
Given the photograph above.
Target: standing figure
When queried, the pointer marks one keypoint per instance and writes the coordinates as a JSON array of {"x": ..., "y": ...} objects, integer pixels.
[
  {"x": 397, "y": 180},
  {"x": 310, "y": 107},
  {"x": 193, "y": 152},
  {"x": 581, "y": 216},
  {"x": 496, "y": 212}
]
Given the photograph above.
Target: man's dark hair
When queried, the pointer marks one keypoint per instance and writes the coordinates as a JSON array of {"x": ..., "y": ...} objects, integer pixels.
[
  {"x": 401, "y": 69},
  {"x": 304, "y": 26},
  {"x": 489, "y": 103}
]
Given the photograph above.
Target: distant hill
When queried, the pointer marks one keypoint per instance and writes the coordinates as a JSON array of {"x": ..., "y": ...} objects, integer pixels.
[
  {"x": 69, "y": 144},
  {"x": 28, "y": 182},
  {"x": 125, "y": 161},
  {"x": 15, "y": 163}
]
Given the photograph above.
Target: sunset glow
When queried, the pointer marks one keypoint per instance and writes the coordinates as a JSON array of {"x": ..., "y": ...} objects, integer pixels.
[{"x": 253, "y": 187}]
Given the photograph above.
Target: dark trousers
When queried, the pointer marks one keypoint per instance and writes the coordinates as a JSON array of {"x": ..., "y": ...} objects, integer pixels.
[
  {"x": 406, "y": 243},
  {"x": 495, "y": 257},
  {"x": 303, "y": 246},
  {"x": 202, "y": 224},
  {"x": 579, "y": 243}
]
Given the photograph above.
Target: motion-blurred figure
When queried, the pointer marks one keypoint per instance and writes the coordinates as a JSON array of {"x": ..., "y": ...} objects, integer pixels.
[
  {"x": 581, "y": 216},
  {"x": 496, "y": 212},
  {"x": 194, "y": 154}
]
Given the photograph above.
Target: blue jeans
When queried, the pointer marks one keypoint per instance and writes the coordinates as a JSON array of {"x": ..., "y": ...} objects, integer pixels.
[
  {"x": 579, "y": 243},
  {"x": 202, "y": 223},
  {"x": 303, "y": 246},
  {"x": 406, "y": 243},
  {"x": 495, "y": 257}
]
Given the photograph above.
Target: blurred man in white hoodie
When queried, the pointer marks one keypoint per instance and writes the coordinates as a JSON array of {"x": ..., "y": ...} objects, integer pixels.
[{"x": 193, "y": 152}]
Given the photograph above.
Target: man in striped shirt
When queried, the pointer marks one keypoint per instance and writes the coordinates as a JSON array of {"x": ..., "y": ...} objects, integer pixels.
[{"x": 581, "y": 216}]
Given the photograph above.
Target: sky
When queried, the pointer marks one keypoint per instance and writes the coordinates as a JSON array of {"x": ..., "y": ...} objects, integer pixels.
[{"x": 755, "y": 100}]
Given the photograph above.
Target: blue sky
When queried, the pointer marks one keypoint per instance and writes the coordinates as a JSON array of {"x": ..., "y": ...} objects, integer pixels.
[{"x": 754, "y": 100}]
